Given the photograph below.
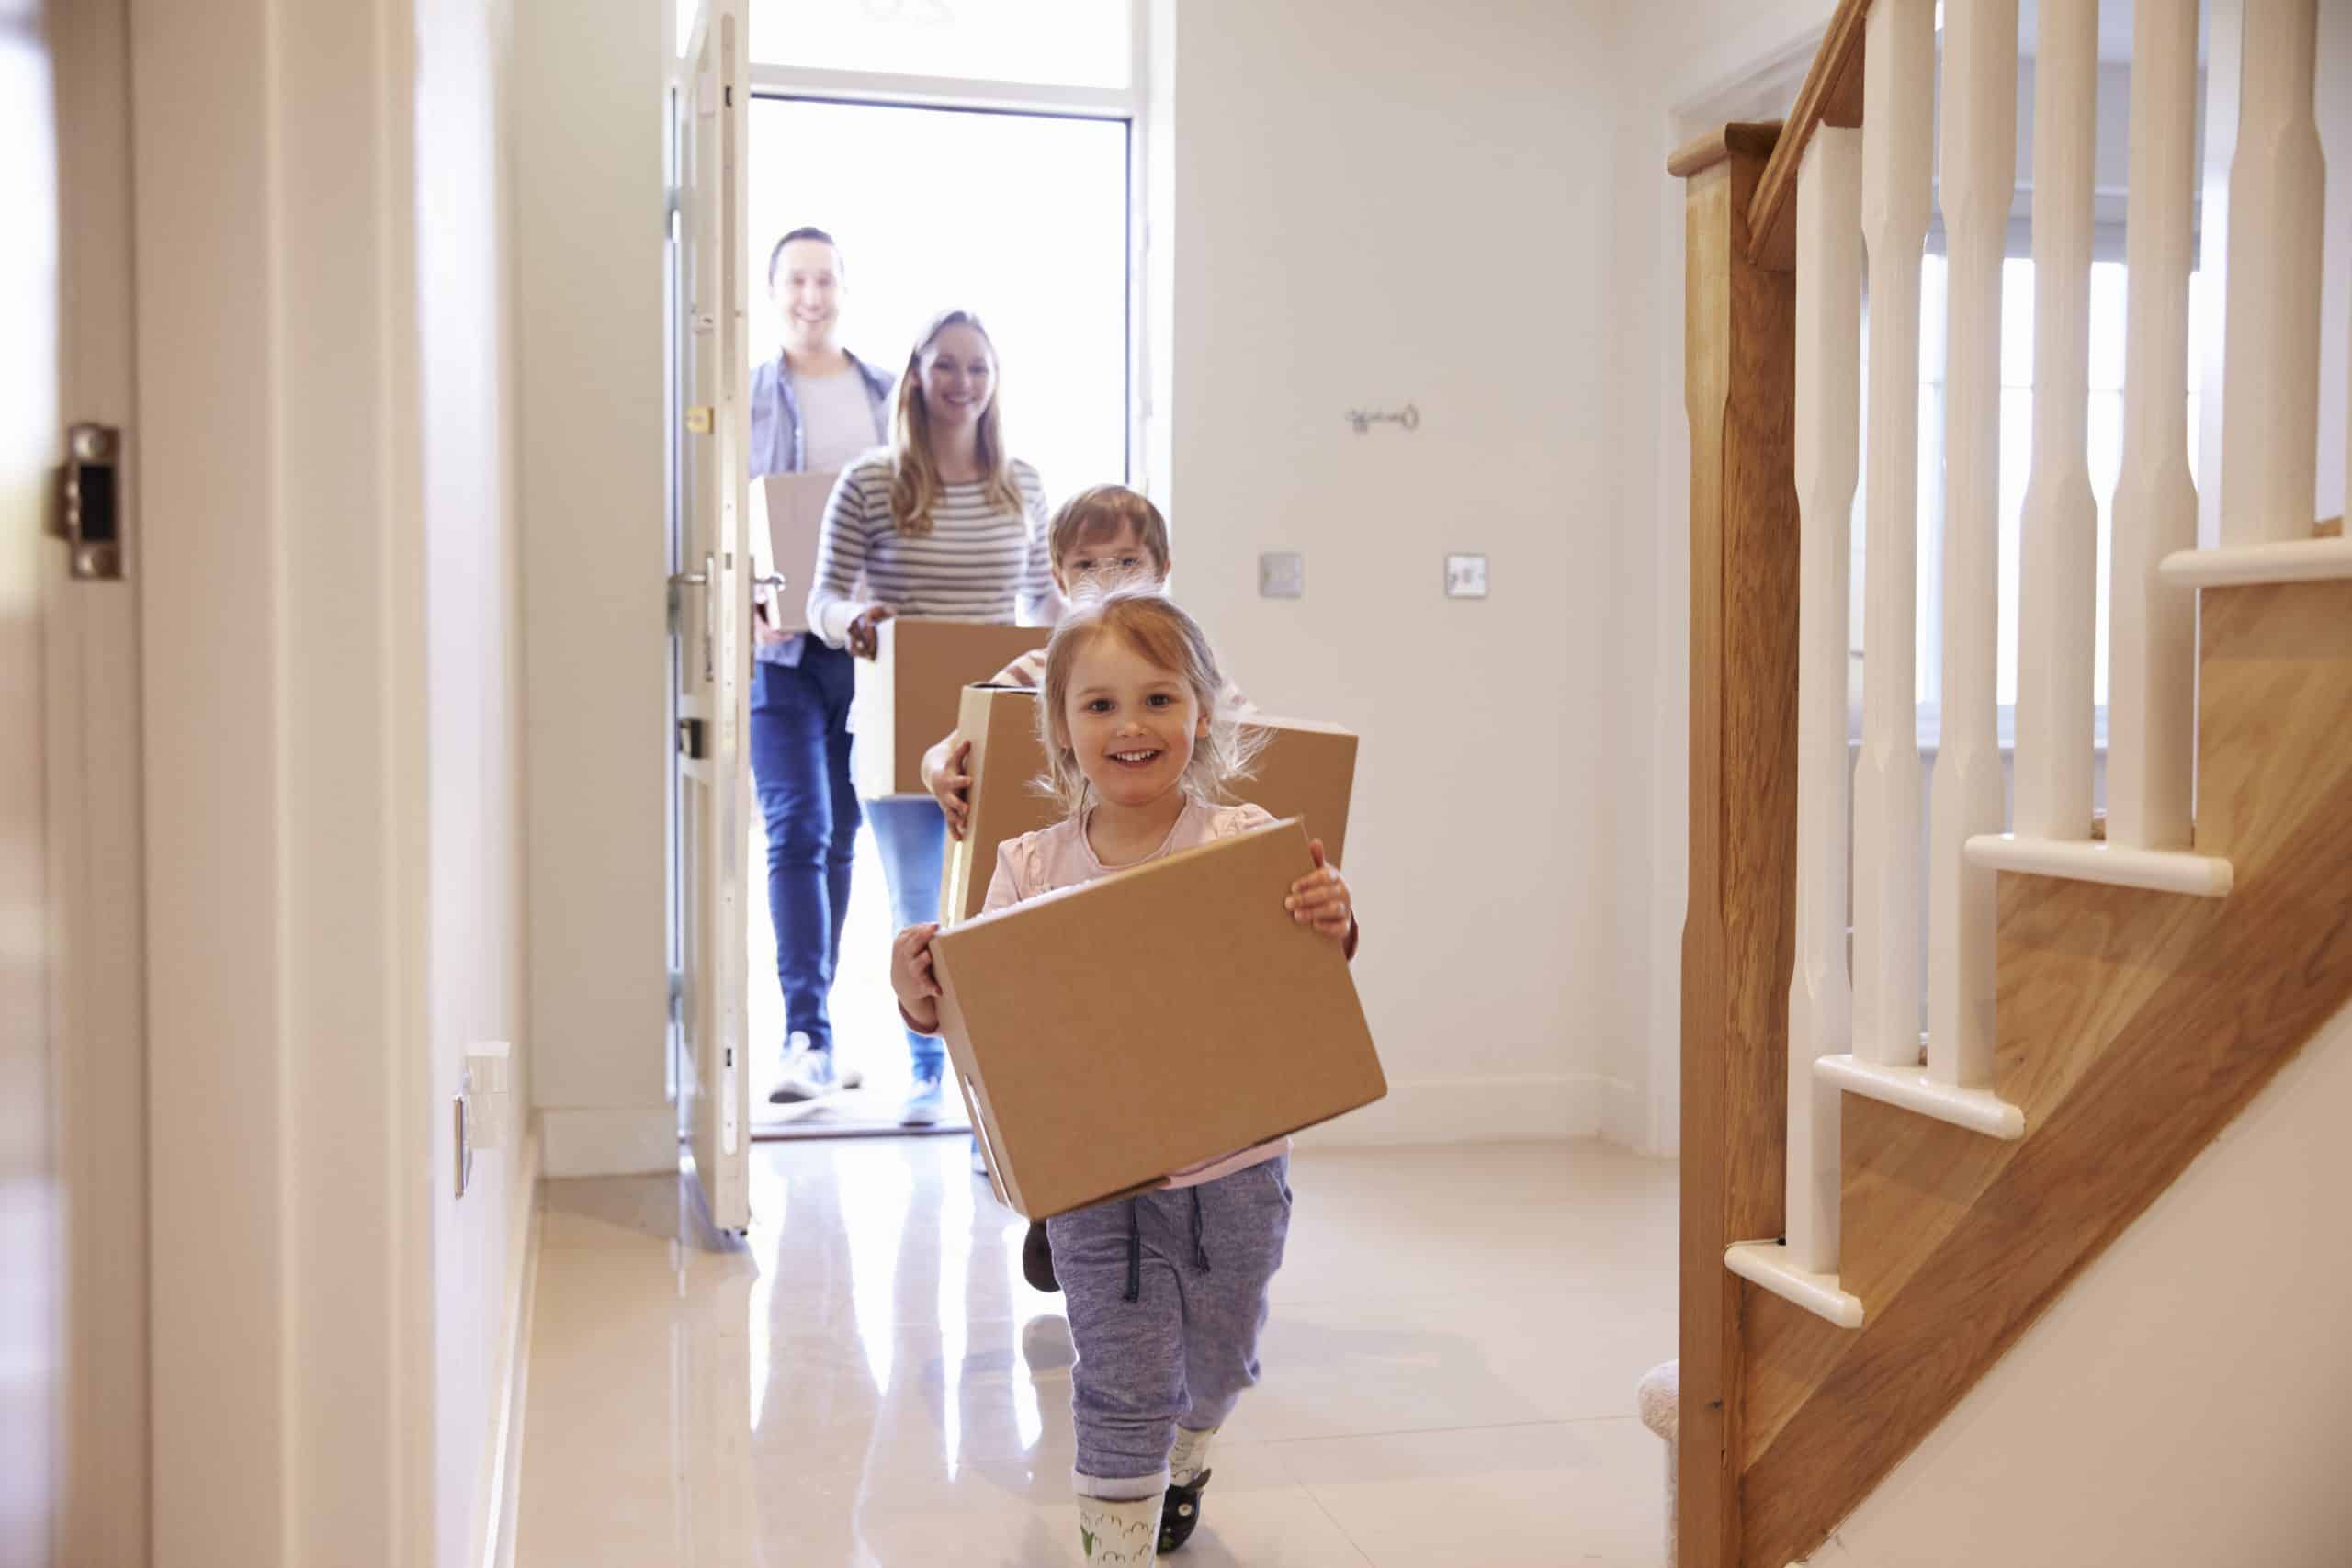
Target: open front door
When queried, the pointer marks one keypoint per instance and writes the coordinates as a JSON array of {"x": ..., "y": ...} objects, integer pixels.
[{"x": 712, "y": 592}]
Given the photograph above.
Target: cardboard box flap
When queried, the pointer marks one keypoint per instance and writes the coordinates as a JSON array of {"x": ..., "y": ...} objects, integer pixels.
[{"x": 1306, "y": 769}]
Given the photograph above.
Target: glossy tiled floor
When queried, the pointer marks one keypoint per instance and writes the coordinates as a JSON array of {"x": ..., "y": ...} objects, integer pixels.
[{"x": 868, "y": 1383}]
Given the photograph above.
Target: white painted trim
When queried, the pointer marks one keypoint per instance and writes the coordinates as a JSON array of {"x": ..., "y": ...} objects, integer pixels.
[
  {"x": 1765, "y": 1264},
  {"x": 503, "y": 1460},
  {"x": 1532, "y": 1107},
  {"x": 2291, "y": 560},
  {"x": 946, "y": 92},
  {"x": 1977, "y": 1109},
  {"x": 607, "y": 1140},
  {"x": 2159, "y": 870},
  {"x": 1625, "y": 1118}
]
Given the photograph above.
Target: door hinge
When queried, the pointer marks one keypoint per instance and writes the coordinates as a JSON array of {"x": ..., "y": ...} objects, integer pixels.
[
  {"x": 89, "y": 502},
  {"x": 677, "y": 993},
  {"x": 690, "y": 739}
]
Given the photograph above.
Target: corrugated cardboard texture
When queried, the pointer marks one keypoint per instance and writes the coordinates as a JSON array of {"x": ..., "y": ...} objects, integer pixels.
[
  {"x": 1151, "y": 1021},
  {"x": 1307, "y": 771},
  {"x": 908, "y": 695},
  {"x": 787, "y": 515}
]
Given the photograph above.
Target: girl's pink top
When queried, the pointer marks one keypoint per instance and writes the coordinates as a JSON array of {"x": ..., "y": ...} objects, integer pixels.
[{"x": 1059, "y": 856}]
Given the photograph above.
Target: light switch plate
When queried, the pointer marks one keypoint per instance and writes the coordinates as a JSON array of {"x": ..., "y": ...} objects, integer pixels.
[
  {"x": 1282, "y": 575},
  {"x": 1465, "y": 577}
]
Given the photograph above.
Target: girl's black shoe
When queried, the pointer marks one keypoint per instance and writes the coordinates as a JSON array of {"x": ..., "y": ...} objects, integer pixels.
[
  {"x": 1037, "y": 1259},
  {"x": 1180, "y": 1514}
]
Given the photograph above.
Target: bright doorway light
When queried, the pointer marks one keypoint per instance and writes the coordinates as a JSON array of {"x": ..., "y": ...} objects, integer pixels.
[{"x": 1022, "y": 218}]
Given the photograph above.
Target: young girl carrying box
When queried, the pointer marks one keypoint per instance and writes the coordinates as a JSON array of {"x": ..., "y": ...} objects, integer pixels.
[{"x": 1166, "y": 1291}]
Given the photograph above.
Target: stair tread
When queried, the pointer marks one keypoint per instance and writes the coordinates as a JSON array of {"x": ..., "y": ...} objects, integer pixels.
[
  {"x": 2118, "y": 865},
  {"x": 1912, "y": 1089},
  {"x": 2286, "y": 561},
  {"x": 1767, "y": 1264}
]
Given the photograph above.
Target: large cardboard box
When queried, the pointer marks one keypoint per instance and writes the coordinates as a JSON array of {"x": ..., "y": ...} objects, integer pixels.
[
  {"x": 908, "y": 695},
  {"x": 788, "y": 516},
  {"x": 1109, "y": 1034},
  {"x": 1306, "y": 770}
]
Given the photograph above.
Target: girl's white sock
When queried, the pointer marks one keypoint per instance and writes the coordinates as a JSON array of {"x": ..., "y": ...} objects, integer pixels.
[{"x": 1191, "y": 1456}]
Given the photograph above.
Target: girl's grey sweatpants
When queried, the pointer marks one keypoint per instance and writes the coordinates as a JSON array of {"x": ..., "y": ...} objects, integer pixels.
[{"x": 1183, "y": 1351}]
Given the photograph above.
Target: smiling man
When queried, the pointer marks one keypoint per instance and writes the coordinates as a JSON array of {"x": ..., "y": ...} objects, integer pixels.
[{"x": 815, "y": 408}]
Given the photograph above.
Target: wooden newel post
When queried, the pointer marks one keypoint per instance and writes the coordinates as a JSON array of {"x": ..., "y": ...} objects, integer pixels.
[{"x": 1738, "y": 940}]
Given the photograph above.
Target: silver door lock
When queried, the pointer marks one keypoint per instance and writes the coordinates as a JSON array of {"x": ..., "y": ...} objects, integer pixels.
[{"x": 89, "y": 511}]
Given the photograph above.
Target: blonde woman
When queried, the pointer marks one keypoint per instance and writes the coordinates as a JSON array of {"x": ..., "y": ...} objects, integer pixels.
[{"x": 944, "y": 523}]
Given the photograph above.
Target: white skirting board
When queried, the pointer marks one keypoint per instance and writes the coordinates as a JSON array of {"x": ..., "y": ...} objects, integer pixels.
[
  {"x": 607, "y": 1141},
  {"x": 512, "y": 1375},
  {"x": 1520, "y": 1109}
]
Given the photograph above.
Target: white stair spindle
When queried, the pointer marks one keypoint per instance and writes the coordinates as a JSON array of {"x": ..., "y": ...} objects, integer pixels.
[
  {"x": 1829, "y": 458},
  {"x": 2270, "y": 378},
  {"x": 1980, "y": 157},
  {"x": 2057, "y": 607},
  {"x": 2152, "y": 665},
  {"x": 1898, "y": 86}
]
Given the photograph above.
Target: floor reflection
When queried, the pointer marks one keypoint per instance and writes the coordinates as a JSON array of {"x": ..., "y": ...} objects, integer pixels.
[{"x": 865, "y": 1380}]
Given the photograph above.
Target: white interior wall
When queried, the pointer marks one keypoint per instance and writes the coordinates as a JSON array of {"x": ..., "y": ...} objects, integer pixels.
[
  {"x": 2334, "y": 96},
  {"x": 1374, "y": 207},
  {"x": 588, "y": 202},
  {"x": 473, "y": 657},
  {"x": 2099, "y": 1441},
  {"x": 333, "y": 734}
]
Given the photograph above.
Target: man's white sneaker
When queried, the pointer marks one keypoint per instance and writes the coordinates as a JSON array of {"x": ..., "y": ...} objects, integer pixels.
[
  {"x": 924, "y": 1105},
  {"x": 810, "y": 1074}
]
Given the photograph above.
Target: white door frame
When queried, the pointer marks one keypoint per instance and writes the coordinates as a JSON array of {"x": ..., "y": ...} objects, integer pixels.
[{"x": 97, "y": 883}]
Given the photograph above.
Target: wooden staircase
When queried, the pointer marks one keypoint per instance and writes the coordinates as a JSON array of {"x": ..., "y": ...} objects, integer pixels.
[{"x": 2143, "y": 996}]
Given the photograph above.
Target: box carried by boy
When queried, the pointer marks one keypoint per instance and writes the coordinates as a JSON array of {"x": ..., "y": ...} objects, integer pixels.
[
  {"x": 1110, "y": 1034},
  {"x": 908, "y": 692},
  {"x": 1305, "y": 769}
]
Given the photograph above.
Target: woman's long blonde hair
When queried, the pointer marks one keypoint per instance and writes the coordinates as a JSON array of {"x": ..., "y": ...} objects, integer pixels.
[
  {"x": 915, "y": 484},
  {"x": 1149, "y": 622}
]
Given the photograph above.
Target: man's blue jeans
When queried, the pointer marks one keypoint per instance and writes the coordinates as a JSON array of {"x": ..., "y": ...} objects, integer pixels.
[{"x": 800, "y": 764}]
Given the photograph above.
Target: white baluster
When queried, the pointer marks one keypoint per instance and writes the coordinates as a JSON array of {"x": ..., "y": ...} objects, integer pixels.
[
  {"x": 2270, "y": 380},
  {"x": 2152, "y": 666},
  {"x": 2057, "y": 606},
  {"x": 1979, "y": 158},
  {"x": 1898, "y": 86},
  {"x": 1828, "y": 458}
]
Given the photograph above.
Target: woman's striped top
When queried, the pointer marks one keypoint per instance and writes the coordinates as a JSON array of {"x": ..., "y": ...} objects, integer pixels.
[{"x": 980, "y": 562}]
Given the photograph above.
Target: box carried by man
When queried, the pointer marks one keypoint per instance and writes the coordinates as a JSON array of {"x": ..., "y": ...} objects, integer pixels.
[
  {"x": 1110, "y": 1034},
  {"x": 1305, "y": 769},
  {"x": 787, "y": 515},
  {"x": 908, "y": 693}
]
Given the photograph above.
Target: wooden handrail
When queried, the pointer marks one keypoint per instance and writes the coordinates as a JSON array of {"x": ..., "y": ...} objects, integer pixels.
[{"x": 1832, "y": 95}]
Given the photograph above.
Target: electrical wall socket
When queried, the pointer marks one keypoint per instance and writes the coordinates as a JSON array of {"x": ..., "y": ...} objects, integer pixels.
[
  {"x": 1282, "y": 574},
  {"x": 1465, "y": 577},
  {"x": 486, "y": 1079}
]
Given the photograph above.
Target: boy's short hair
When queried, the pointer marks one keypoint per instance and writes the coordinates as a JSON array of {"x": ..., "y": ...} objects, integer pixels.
[{"x": 1102, "y": 509}]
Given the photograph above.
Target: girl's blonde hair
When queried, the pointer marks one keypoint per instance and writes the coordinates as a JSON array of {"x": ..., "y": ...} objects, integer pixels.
[
  {"x": 915, "y": 484},
  {"x": 1149, "y": 623}
]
